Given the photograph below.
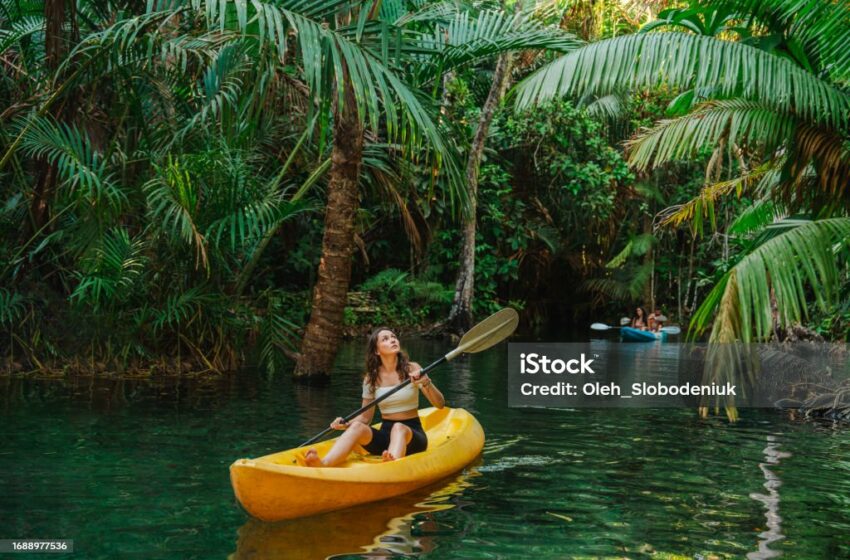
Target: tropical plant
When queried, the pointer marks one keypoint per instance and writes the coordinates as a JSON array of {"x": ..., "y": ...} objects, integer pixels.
[
  {"x": 164, "y": 182},
  {"x": 442, "y": 47},
  {"x": 171, "y": 152},
  {"x": 776, "y": 109}
]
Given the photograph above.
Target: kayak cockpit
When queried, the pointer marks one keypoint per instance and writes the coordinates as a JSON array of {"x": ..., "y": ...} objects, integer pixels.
[{"x": 433, "y": 421}]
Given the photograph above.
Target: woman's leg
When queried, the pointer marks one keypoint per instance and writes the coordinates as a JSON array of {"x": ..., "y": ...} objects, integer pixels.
[
  {"x": 399, "y": 438},
  {"x": 357, "y": 433}
]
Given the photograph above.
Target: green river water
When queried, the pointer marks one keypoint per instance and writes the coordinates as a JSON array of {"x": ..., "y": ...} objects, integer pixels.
[{"x": 139, "y": 469}]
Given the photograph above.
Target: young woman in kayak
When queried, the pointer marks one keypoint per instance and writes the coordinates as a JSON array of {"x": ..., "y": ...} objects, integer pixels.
[
  {"x": 639, "y": 320},
  {"x": 401, "y": 431}
]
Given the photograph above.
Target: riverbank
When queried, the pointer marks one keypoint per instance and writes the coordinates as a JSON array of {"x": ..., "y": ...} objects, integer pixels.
[{"x": 43, "y": 349}]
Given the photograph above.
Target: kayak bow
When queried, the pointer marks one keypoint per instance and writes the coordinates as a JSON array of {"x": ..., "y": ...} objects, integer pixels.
[{"x": 628, "y": 334}]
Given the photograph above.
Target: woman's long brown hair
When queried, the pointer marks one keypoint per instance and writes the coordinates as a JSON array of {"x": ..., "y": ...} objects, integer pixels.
[{"x": 373, "y": 361}]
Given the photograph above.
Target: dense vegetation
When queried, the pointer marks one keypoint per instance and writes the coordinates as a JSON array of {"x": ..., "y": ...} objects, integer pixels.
[{"x": 203, "y": 185}]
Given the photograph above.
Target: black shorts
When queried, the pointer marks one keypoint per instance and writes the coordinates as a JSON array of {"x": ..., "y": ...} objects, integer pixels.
[{"x": 381, "y": 438}]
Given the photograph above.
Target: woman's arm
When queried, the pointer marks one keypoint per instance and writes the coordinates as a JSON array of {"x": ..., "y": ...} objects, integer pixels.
[
  {"x": 367, "y": 415},
  {"x": 434, "y": 396}
]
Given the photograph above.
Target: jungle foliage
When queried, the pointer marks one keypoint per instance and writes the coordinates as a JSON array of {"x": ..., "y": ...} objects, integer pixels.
[{"x": 164, "y": 168}]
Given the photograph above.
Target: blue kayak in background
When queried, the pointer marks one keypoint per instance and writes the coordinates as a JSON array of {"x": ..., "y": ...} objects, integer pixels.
[{"x": 628, "y": 334}]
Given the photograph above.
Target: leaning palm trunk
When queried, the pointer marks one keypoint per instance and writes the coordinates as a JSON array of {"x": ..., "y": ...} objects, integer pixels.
[
  {"x": 460, "y": 316},
  {"x": 324, "y": 330}
]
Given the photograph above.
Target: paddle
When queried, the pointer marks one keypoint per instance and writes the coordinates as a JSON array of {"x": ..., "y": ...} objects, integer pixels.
[
  {"x": 482, "y": 336},
  {"x": 672, "y": 329}
]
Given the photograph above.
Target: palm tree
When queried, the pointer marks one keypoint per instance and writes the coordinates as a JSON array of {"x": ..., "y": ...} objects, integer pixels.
[
  {"x": 243, "y": 52},
  {"x": 445, "y": 45},
  {"x": 771, "y": 90}
]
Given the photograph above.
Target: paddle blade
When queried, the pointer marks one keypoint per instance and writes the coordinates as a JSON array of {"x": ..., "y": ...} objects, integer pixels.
[
  {"x": 625, "y": 321},
  {"x": 599, "y": 327},
  {"x": 488, "y": 332},
  {"x": 673, "y": 329}
]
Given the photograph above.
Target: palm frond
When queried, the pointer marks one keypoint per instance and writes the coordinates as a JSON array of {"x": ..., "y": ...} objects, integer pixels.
[
  {"x": 222, "y": 87},
  {"x": 111, "y": 270},
  {"x": 140, "y": 42},
  {"x": 429, "y": 13},
  {"x": 468, "y": 37},
  {"x": 12, "y": 306},
  {"x": 738, "y": 122},
  {"x": 323, "y": 52},
  {"x": 689, "y": 61},
  {"x": 626, "y": 285},
  {"x": 14, "y": 10},
  {"x": 828, "y": 153},
  {"x": 778, "y": 271},
  {"x": 703, "y": 205},
  {"x": 173, "y": 199},
  {"x": 180, "y": 309},
  {"x": 755, "y": 217},
  {"x": 18, "y": 30},
  {"x": 80, "y": 165},
  {"x": 250, "y": 222},
  {"x": 636, "y": 246},
  {"x": 277, "y": 335},
  {"x": 822, "y": 27},
  {"x": 609, "y": 107},
  {"x": 710, "y": 20},
  {"x": 328, "y": 55}
]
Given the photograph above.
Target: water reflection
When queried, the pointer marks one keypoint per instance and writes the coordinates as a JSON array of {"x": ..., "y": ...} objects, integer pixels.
[
  {"x": 316, "y": 408},
  {"x": 138, "y": 468},
  {"x": 390, "y": 528},
  {"x": 461, "y": 385},
  {"x": 772, "y": 456}
]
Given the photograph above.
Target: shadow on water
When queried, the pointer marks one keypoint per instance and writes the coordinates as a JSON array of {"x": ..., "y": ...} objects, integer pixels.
[{"x": 397, "y": 527}]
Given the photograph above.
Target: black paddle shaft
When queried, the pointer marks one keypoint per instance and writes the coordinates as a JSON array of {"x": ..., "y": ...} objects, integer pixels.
[{"x": 362, "y": 409}]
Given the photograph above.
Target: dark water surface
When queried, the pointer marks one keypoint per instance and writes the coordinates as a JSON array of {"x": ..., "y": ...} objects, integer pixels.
[{"x": 137, "y": 469}]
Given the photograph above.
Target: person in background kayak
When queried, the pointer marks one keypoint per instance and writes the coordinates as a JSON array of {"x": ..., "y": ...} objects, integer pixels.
[
  {"x": 656, "y": 320},
  {"x": 639, "y": 320},
  {"x": 401, "y": 432}
]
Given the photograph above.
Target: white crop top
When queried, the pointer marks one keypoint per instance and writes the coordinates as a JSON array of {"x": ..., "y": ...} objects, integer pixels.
[{"x": 401, "y": 401}]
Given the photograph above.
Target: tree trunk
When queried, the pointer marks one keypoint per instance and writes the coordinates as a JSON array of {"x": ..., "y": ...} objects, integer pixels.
[
  {"x": 460, "y": 317},
  {"x": 649, "y": 259},
  {"x": 55, "y": 48},
  {"x": 54, "y": 40},
  {"x": 324, "y": 330}
]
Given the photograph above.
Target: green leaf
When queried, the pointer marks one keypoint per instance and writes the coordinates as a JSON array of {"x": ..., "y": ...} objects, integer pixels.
[{"x": 685, "y": 61}]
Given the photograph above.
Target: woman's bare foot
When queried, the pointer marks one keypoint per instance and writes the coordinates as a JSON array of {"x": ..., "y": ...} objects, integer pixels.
[
  {"x": 387, "y": 456},
  {"x": 312, "y": 459}
]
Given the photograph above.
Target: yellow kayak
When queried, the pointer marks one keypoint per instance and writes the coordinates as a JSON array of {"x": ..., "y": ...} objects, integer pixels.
[{"x": 279, "y": 486}]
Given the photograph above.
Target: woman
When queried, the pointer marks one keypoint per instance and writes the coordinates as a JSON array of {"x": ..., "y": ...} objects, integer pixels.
[
  {"x": 639, "y": 320},
  {"x": 401, "y": 431}
]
